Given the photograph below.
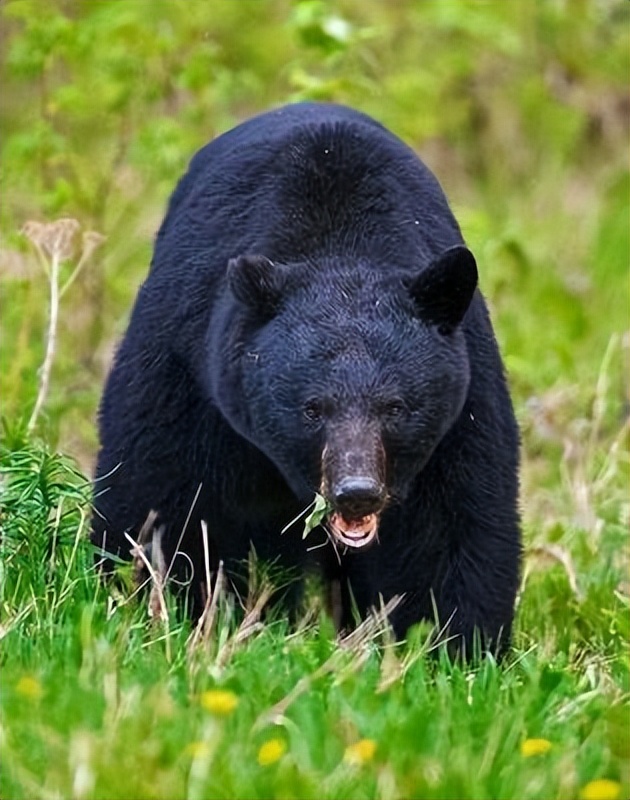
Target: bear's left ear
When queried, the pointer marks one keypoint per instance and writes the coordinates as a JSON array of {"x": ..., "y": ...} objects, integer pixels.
[
  {"x": 444, "y": 290},
  {"x": 257, "y": 282}
]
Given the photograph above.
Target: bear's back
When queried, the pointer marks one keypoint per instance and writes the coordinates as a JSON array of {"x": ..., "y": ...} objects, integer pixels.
[
  {"x": 262, "y": 131},
  {"x": 285, "y": 183}
]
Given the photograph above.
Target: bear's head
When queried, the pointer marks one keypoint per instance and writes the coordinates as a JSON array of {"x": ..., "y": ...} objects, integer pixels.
[{"x": 346, "y": 377}]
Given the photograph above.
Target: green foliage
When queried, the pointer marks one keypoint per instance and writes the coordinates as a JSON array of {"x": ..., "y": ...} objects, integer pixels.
[
  {"x": 123, "y": 708},
  {"x": 45, "y": 507},
  {"x": 521, "y": 111}
]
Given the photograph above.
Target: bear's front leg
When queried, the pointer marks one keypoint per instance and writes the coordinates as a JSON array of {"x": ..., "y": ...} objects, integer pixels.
[
  {"x": 446, "y": 568},
  {"x": 475, "y": 601}
]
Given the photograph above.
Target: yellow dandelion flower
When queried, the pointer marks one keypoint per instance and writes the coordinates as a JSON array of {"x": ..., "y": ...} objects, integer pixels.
[
  {"x": 219, "y": 701},
  {"x": 602, "y": 789},
  {"x": 29, "y": 687},
  {"x": 360, "y": 752},
  {"x": 535, "y": 747},
  {"x": 197, "y": 749},
  {"x": 271, "y": 751}
]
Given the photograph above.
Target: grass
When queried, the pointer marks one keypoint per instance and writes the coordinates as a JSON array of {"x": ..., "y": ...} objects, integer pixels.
[
  {"x": 106, "y": 714},
  {"x": 98, "y": 710}
]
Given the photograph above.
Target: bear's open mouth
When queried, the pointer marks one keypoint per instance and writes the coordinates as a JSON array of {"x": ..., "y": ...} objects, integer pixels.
[{"x": 353, "y": 532}]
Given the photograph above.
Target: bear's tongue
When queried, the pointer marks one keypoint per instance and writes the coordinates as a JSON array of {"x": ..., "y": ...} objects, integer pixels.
[{"x": 354, "y": 532}]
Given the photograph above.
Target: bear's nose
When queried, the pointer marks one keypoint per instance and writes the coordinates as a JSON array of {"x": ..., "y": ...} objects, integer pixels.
[{"x": 357, "y": 496}]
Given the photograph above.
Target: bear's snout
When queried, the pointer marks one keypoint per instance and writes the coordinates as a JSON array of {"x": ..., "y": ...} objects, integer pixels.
[
  {"x": 353, "y": 482},
  {"x": 353, "y": 468},
  {"x": 357, "y": 496}
]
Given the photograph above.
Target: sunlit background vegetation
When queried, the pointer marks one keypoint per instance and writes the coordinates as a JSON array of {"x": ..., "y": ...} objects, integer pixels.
[{"x": 522, "y": 111}]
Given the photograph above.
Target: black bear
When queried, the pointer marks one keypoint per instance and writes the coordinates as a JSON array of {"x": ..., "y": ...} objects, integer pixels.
[{"x": 311, "y": 323}]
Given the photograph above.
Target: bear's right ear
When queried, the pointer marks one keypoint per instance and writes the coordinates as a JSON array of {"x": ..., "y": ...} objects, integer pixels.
[
  {"x": 444, "y": 290},
  {"x": 257, "y": 283}
]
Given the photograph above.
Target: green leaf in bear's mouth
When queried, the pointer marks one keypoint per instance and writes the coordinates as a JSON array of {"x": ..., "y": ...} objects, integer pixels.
[{"x": 321, "y": 509}]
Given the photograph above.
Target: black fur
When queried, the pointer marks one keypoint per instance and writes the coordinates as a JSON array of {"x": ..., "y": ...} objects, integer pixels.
[{"x": 309, "y": 279}]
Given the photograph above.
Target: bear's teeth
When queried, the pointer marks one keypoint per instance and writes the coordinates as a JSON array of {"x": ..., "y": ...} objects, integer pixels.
[{"x": 354, "y": 532}]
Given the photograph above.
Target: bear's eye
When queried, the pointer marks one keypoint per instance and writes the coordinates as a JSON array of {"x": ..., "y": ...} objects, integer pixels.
[
  {"x": 393, "y": 409},
  {"x": 313, "y": 411}
]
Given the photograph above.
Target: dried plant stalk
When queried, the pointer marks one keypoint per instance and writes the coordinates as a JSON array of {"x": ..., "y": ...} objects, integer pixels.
[{"x": 55, "y": 243}]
